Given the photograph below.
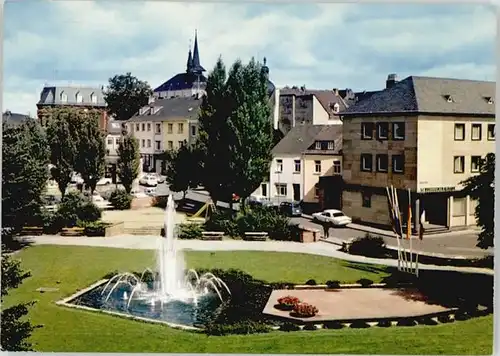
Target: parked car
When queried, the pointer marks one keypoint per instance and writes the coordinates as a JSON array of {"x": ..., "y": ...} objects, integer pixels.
[
  {"x": 150, "y": 191},
  {"x": 104, "y": 181},
  {"x": 149, "y": 180},
  {"x": 336, "y": 217},
  {"x": 290, "y": 209}
]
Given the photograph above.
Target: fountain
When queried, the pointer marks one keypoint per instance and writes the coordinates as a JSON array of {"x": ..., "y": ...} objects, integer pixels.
[{"x": 171, "y": 288}]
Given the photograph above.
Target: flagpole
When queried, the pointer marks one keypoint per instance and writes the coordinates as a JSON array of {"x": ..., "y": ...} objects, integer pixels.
[
  {"x": 398, "y": 212},
  {"x": 398, "y": 227},
  {"x": 391, "y": 212},
  {"x": 409, "y": 229}
]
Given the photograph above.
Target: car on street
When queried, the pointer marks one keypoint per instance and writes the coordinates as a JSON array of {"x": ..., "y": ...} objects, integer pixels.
[
  {"x": 149, "y": 180},
  {"x": 290, "y": 208},
  {"x": 336, "y": 217}
]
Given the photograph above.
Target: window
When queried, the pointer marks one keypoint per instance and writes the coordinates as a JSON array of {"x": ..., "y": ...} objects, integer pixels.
[
  {"x": 118, "y": 141},
  {"x": 367, "y": 130},
  {"x": 193, "y": 130},
  {"x": 337, "y": 167},
  {"x": 158, "y": 128},
  {"x": 491, "y": 132},
  {"x": 110, "y": 141},
  {"x": 279, "y": 165},
  {"x": 366, "y": 200},
  {"x": 297, "y": 166},
  {"x": 181, "y": 143},
  {"x": 63, "y": 97},
  {"x": 143, "y": 128},
  {"x": 382, "y": 131},
  {"x": 398, "y": 131},
  {"x": 476, "y": 132},
  {"x": 382, "y": 163},
  {"x": 458, "y": 164},
  {"x": 398, "y": 163},
  {"x": 158, "y": 145},
  {"x": 149, "y": 127},
  {"x": 149, "y": 143},
  {"x": 366, "y": 162},
  {"x": 137, "y": 127},
  {"x": 459, "y": 132},
  {"x": 316, "y": 190},
  {"x": 318, "y": 145},
  {"x": 336, "y": 108},
  {"x": 93, "y": 98},
  {"x": 143, "y": 142},
  {"x": 170, "y": 128},
  {"x": 281, "y": 190},
  {"x": 180, "y": 128},
  {"x": 317, "y": 166},
  {"x": 331, "y": 146},
  {"x": 475, "y": 164},
  {"x": 79, "y": 97},
  {"x": 170, "y": 145}
]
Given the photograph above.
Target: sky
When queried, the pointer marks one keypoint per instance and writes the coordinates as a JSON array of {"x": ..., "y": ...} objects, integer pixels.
[{"x": 321, "y": 46}]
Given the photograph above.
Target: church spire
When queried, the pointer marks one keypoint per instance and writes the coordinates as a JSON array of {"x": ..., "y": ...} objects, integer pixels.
[
  {"x": 196, "y": 56},
  {"x": 189, "y": 66}
]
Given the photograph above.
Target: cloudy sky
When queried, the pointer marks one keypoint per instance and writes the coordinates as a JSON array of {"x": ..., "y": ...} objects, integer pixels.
[{"x": 323, "y": 46}]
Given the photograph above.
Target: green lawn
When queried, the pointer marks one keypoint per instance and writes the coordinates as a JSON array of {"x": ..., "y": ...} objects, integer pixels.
[{"x": 67, "y": 330}]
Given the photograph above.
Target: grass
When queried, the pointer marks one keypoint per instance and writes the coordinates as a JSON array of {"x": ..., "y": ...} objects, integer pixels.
[{"x": 73, "y": 268}]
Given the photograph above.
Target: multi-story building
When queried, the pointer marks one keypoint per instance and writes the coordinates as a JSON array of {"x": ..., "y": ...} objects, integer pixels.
[
  {"x": 14, "y": 119},
  {"x": 423, "y": 134},
  {"x": 298, "y": 106},
  {"x": 86, "y": 99},
  {"x": 164, "y": 124}
]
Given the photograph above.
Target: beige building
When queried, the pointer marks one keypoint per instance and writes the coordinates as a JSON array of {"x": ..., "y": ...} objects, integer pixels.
[{"x": 425, "y": 134}]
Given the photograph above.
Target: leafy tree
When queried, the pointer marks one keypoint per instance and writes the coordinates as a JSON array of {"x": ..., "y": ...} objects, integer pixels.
[
  {"x": 128, "y": 161},
  {"x": 183, "y": 169},
  {"x": 63, "y": 133},
  {"x": 125, "y": 95},
  {"x": 482, "y": 188},
  {"x": 91, "y": 155},
  {"x": 24, "y": 173},
  {"x": 236, "y": 132}
]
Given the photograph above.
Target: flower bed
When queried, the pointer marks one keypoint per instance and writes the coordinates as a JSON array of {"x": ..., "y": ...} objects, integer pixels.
[
  {"x": 304, "y": 310},
  {"x": 288, "y": 302}
]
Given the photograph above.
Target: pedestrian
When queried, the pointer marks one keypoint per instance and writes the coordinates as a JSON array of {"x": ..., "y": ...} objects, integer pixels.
[{"x": 326, "y": 229}]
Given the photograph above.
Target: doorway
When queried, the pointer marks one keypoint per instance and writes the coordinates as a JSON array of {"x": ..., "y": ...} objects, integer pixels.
[
  {"x": 296, "y": 192},
  {"x": 435, "y": 206}
]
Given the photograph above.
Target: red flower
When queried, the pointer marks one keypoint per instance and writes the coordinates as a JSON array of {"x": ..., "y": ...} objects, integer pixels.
[
  {"x": 305, "y": 310},
  {"x": 288, "y": 300}
]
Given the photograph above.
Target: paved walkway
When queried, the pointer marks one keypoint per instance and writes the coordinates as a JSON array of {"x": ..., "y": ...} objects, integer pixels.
[{"x": 151, "y": 243}]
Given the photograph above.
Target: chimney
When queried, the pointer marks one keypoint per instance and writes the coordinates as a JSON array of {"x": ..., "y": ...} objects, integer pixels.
[
  {"x": 336, "y": 91},
  {"x": 391, "y": 80}
]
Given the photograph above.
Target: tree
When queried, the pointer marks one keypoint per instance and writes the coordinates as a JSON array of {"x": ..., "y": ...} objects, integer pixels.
[
  {"x": 481, "y": 187},
  {"x": 183, "y": 169},
  {"x": 125, "y": 95},
  {"x": 236, "y": 133},
  {"x": 63, "y": 134},
  {"x": 24, "y": 173},
  {"x": 15, "y": 332},
  {"x": 91, "y": 155},
  {"x": 128, "y": 161}
]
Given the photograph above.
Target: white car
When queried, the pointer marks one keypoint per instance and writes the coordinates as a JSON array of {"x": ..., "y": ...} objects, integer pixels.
[
  {"x": 104, "y": 181},
  {"x": 149, "y": 180},
  {"x": 336, "y": 217}
]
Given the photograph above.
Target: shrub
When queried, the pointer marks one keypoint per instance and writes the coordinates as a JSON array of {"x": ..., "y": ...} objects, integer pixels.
[
  {"x": 384, "y": 324},
  {"x": 426, "y": 321},
  {"x": 160, "y": 202},
  {"x": 364, "y": 282},
  {"x": 94, "y": 228},
  {"x": 282, "y": 285},
  {"x": 222, "y": 221},
  {"x": 333, "y": 284},
  {"x": 289, "y": 327},
  {"x": 190, "y": 231},
  {"x": 242, "y": 327},
  {"x": 407, "y": 322},
  {"x": 359, "y": 324},
  {"x": 305, "y": 310},
  {"x": 333, "y": 325},
  {"x": 69, "y": 210},
  {"x": 371, "y": 246},
  {"x": 444, "y": 318},
  {"x": 120, "y": 199},
  {"x": 310, "y": 327},
  {"x": 311, "y": 282},
  {"x": 89, "y": 212}
]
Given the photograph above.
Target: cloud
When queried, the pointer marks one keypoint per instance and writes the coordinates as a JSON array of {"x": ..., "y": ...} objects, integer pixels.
[{"x": 317, "y": 45}]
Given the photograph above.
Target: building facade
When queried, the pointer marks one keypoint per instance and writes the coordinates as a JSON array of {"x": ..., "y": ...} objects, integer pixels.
[
  {"x": 86, "y": 99},
  {"x": 422, "y": 134}
]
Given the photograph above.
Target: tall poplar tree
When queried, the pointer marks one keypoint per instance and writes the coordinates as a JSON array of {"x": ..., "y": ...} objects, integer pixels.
[{"x": 128, "y": 161}]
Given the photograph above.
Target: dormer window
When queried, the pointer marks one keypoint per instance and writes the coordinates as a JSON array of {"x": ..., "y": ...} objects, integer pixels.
[
  {"x": 448, "y": 98},
  {"x": 318, "y": 145},
  {"x": 330, "y": 145},
  {"x": 336, "y": 108},
  {"x": 93, "y": 98},
  {"x": 79, "y": 97},
  {"x": 489, "y": 99},
  {"x": 63, "y": 97}
]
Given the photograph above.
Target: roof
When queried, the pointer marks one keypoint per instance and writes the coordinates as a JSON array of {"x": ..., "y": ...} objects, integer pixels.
[
  {"x": 430, "y": 95},
  {"x": 327, "y": 98},
  {"x": 182, "y": 81},
  {"x": 169, "y": 109},
  {"x": 327, "y": 133},
  {"x": 12, "y": 118},
  {"x": 114, "y": 127},
  {"x": 297, "y": 140},
  {"x": 51, "y": 95}
]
